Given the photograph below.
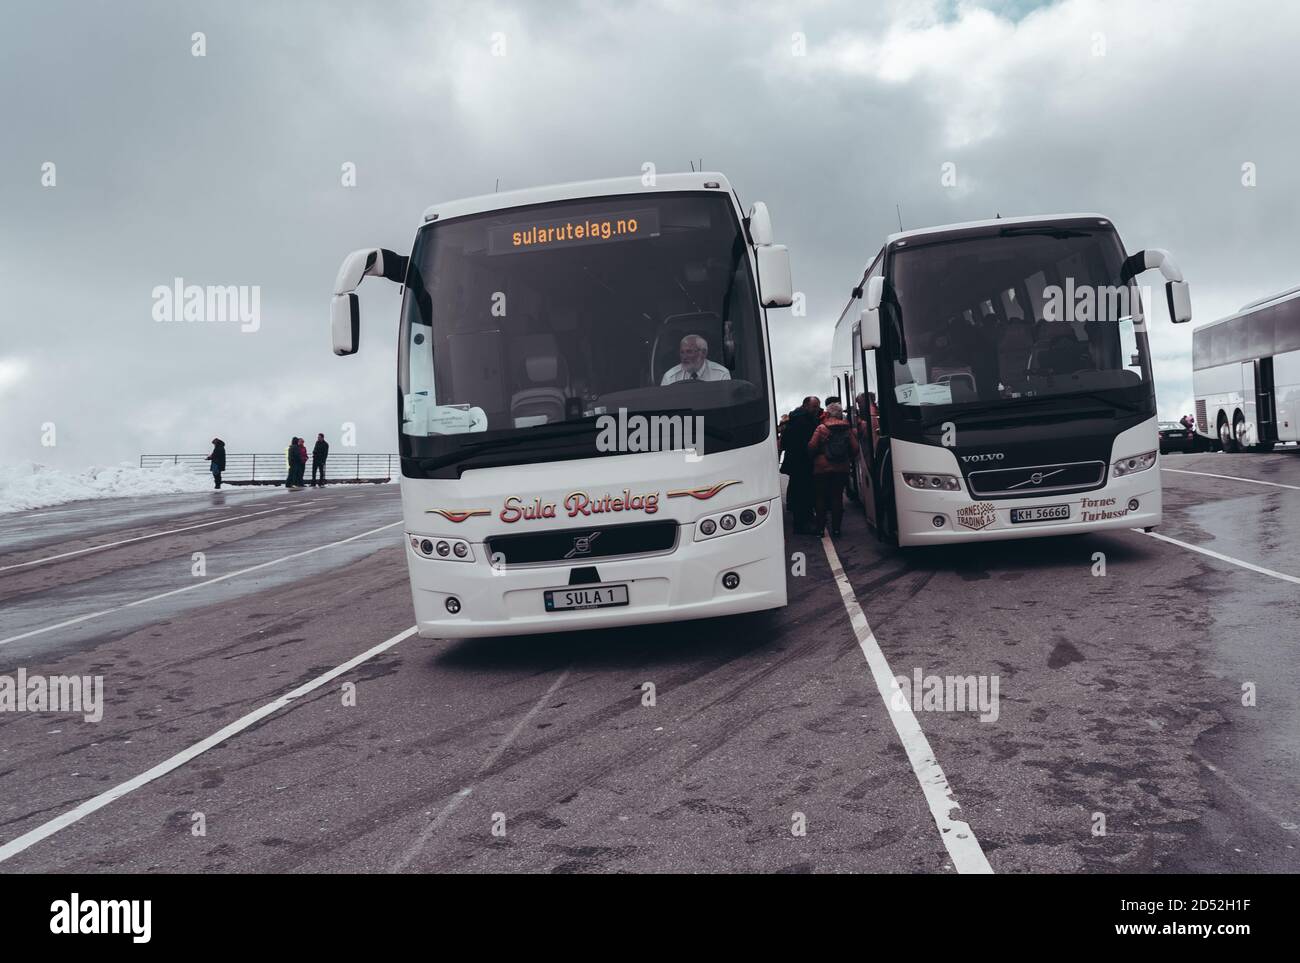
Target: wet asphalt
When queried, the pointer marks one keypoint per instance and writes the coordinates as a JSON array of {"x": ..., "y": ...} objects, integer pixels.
[{"x": 1121, "y": 701}]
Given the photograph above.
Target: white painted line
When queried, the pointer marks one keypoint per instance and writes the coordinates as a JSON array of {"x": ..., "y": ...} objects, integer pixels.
[
  {"x": 418, "y": 846},
  {"x": 965, "y": 850},
  {"x": 1222, "y": 558},
  {"x": 45, "y": 830},
  {"x": 1249, "y": 481},
  {"x": 191, "y": 588},
  {"x": 138, "y": 538}
]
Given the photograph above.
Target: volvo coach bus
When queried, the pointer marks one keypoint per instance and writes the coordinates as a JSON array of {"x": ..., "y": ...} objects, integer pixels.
[
  {"x": 585, "y": 405},
  {"x": 1011, "y": 378},
  {"x": 1246, "y": 375}
]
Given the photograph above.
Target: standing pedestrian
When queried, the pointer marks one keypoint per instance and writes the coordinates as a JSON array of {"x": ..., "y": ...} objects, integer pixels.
[
  {"x": 302, "y": 462},
  {"x": 797, "y": 463},
  {"x": 293, "y": 459},
  {"x": 217, "y": 461},
  {"x": 833, "y": 447},
  {"x": 319, "y": 452}
]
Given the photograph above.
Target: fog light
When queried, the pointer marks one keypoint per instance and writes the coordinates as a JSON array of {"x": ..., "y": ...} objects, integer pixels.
[
  {"x": 708, "y": 527},
  {"x": 730, "y": 581},
  {"x": 728, "y": 522},
  {"x": 444, "y": 549},
  {"x": 453, "y": 604},
  {"x": 938, "y": 521},
  {"x": 461, "y": 549},
  {"x": 1132, "y": 504},
  {"x": 747, "y": 517},
  {"x": 426, "y": 547}
]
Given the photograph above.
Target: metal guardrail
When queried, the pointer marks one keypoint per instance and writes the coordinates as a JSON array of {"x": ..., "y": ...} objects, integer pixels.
[{"x": 270, "y": 468}]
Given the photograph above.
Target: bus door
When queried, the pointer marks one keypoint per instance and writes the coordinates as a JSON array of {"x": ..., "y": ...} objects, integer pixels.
[
  {"x": 1265, "y": 403},
  {"x": 1249, "y": 407}
]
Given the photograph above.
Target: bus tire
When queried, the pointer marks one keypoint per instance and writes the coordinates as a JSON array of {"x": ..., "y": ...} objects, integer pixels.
[
  {"x": 1225, "y": 433},
  {"x": 1238, "y": 430}
]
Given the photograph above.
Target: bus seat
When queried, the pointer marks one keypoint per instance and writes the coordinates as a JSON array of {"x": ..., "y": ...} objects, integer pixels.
[{"x": 541, "y": 377}]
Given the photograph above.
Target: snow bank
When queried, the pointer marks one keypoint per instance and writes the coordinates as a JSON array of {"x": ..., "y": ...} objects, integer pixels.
[{"x": 29, "y": 485}]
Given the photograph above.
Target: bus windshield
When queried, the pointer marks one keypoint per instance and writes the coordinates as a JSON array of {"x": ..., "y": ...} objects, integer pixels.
[
  {"x": 1027, "y": 313},
  {"x": 558, "y": 313}
]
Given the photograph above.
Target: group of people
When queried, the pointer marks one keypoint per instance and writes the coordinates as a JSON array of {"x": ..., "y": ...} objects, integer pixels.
[
  {"x": 818, "y": 446},
  {"x": 295, "y": 457}
]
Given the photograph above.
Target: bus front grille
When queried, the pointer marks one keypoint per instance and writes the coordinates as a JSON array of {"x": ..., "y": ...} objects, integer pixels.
[
  {"x": 575, "y": 545},
  {"x": 1037, "y": 480}
]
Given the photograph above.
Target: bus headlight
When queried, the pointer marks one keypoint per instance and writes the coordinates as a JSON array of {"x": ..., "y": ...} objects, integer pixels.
[
  {"x": 1137, "y": 463},
  {"x": 928, "y": 482},
  {"x": 442, "y": 549},
  {"x": 725, "y": 523}
]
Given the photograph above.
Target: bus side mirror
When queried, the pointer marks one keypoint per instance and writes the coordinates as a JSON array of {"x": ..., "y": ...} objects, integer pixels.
[
  {"x": 775, "y": 288},
  {"x": 869, "y": 322},
  {"x": 869, "y": 329},
  {"x": 345, "y": 323},
  {"x": 345, "y": 309},
  {"x": 1179, "y": 295}
]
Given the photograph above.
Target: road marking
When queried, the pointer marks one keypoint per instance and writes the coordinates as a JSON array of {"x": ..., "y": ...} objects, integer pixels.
[
  {"x": 45, "y": 830},
  {"x": 138, "y": 538},
  {"x": 191, "y": 588},
  {"x": 1249, "y": 481},
  {"x": 454, "y": 802},
  {"x": 958, "y": 837},
  {"x": 1222, "y": 558}
]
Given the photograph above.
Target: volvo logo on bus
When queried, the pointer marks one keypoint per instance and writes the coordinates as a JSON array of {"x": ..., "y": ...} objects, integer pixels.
[
  {"x": 582, "y": 545},
  {"x": 987, "y": 456}
]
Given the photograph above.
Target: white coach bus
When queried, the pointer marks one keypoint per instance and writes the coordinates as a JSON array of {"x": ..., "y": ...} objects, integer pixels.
[
  {"x": 1246, "y": 375},
  {"x": 585, "y": 405},
  {"x": 1012, "y": 377}
]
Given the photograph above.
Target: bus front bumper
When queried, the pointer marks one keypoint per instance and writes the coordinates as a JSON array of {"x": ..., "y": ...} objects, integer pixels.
[
  {"x": 687, "y": 583},
  {"x": 1132, "y": 501}
]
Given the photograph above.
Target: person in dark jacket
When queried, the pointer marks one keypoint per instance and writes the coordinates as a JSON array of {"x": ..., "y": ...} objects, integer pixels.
[
  {"x": 294, "y": 459},
  {"x": 302, "y": 462},
  {"x": 319, "y": 452},
  {"x": 797, "y": 463},
  {"x": 833, "y": 447},
  {"x": 217, "y": 461}
]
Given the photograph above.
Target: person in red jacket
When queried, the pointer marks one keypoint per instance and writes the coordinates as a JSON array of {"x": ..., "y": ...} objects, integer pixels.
[{"x": 832, "y": 447}]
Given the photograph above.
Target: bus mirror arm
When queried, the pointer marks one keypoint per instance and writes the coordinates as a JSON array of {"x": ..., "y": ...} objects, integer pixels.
[
  {"x": 1177, "y": 293},
  {"x": 345, "y": 309}
]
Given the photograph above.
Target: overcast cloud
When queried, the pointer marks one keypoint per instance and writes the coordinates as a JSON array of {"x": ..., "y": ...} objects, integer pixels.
[{"x": 225, "y": 169}]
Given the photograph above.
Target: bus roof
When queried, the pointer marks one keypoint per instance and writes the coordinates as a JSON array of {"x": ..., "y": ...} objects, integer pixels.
[
  {"x": 701, "y": 181},
  {"x": 994, "y": 223},
  {"x": 1271, "y": 301}
]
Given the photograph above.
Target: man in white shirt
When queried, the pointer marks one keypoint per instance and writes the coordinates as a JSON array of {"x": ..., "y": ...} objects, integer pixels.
[{"x": 693, "y": 352}]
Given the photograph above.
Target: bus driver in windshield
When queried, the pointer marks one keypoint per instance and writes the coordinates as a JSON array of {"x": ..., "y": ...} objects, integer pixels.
[{"x": 693, "y": 352}]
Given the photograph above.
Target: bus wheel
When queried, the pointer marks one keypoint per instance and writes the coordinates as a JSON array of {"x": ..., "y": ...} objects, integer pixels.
[
  {"x": 1225, "y": 433},
  {"x": 1238, "y": 432}
]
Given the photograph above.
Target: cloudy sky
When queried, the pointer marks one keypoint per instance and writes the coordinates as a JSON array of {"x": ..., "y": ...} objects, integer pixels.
[{"x": 226, "y": 169}]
